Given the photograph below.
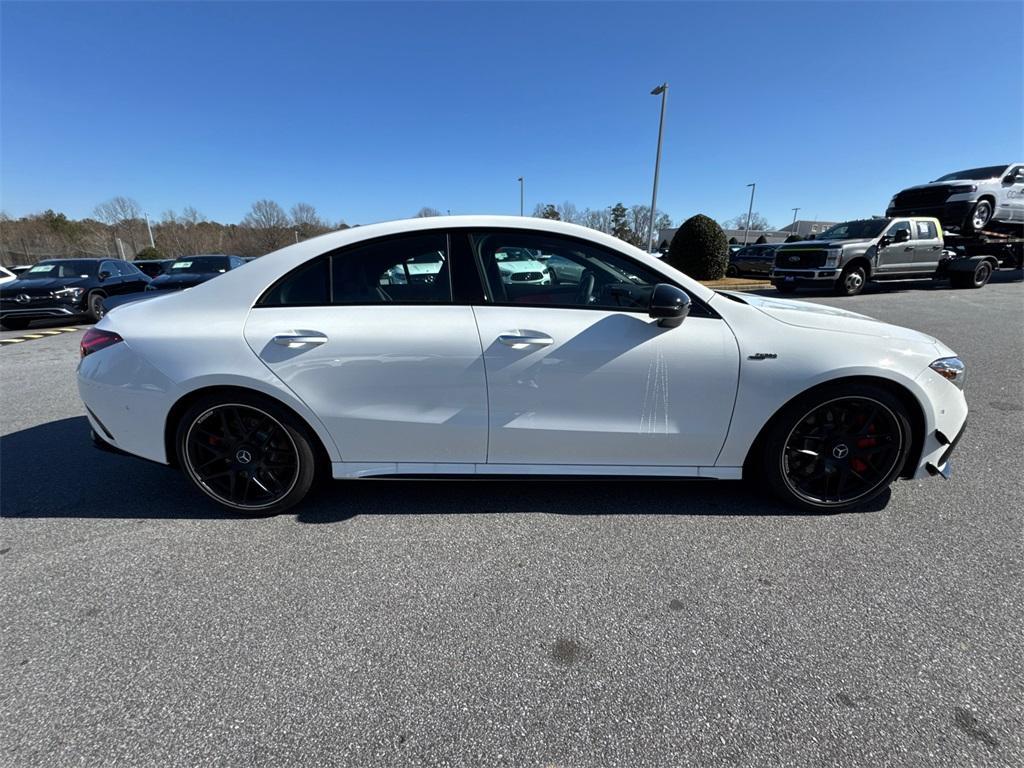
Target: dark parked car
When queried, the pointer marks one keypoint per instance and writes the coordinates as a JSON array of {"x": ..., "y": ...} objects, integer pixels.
[
  {"x": 72, "y": 288},
  {"x": 153, "y": 267},
  {"x": 193, "y": 270},
  {"x": 752, "y": 260}
]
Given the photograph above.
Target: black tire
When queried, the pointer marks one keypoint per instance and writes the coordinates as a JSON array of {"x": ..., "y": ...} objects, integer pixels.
[
  {"x": 784, "y": 287},
  {"x": 979, "y": 217},
  {"x": 732, "y": 271},
  {"x": 14, "y": 323},
  {"x": 851, "y": 281},
  {"x": 94, "y": 303},
  {"x": 868, "y": 453},
  {"x": 976, "y": 279},
  {"x": 227, "y": 444}
]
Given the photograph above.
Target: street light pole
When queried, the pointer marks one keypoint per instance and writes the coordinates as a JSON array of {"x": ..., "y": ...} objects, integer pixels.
[
  {"x": 794, "y": 219},
  {"x": 661, "y": 90},
  {"x": 750, "y": 210},
  {"x": 150, "y": 228},
  {"x": 520, "y": 195}
]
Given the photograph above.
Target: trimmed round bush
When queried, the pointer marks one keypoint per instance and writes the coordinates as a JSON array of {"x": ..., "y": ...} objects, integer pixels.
[{"x": 700, "y": 249}]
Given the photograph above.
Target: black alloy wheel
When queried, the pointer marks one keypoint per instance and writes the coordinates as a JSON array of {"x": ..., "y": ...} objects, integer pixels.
[
  {"x": 96, "y": 308},
  {"x": 249, "y": 456},
  {"x": 836, "y": 451}
]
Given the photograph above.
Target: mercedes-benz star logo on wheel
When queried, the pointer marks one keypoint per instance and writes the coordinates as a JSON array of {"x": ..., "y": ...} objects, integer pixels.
[
  {"x": 23, "y": 298},
  {"x": 243, "y": 456},
  {"x": 840, "y": 451}
]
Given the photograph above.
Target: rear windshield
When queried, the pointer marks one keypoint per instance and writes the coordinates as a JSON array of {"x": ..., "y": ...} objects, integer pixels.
[
  {"x": 199, "y": 264},
  {"x": 62, "y": 268},
  {"x": 991, "y": 172}
]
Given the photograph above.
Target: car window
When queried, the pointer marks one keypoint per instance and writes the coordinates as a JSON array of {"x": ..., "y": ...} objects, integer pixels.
[
  {"x": 409, "y": 269},
  {"x": 542, "y": 270},
  {"x": 897, "y": 227},
  {"x": 926, "y": 230},
  {"x": 111, "y": 267}
]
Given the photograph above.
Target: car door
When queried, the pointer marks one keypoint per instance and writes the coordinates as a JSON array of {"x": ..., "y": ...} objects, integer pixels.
[
  {"x": 927, "y": 245},
  {"x": 896, "y": 257},
  {"x": 112, "y": 283},
  {"x": 134, "y": 279},
  {"x": 579, "y": 374},
  {"x": 394, "y": 370},
  {"x": 1013, "y": 195}
]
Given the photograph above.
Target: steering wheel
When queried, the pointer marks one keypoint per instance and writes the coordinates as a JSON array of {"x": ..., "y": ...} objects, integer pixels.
[{"x": 585, "y": 291}]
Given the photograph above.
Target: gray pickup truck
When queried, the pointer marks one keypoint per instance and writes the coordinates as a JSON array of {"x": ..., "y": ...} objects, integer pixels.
[{"x": 845, "y": 257}]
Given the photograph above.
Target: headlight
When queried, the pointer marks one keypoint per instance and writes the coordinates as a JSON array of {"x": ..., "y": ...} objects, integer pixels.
[
  {"x": 952, "y": 369},
  {"x": 68, "y": 293},
  {"x": 960, "y": 189},
  {"x": 833, "y": 257}
]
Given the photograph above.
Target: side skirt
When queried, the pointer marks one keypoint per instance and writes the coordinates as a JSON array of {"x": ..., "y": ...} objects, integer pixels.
[{"x": 342, "y": 470}]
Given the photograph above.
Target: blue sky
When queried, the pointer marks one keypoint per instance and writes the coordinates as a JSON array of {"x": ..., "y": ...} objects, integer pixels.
[{"x": 371, "y": 111}]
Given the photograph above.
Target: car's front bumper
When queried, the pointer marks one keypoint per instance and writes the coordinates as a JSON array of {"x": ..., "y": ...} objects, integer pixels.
[
  {"x": 41, "y": 310},
  {"x": 815, "y": 275},
  {"x": 945, "y": 423}
]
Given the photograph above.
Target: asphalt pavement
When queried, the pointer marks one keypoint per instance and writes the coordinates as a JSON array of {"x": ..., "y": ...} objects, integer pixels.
[{"x": 494, "y": 623}]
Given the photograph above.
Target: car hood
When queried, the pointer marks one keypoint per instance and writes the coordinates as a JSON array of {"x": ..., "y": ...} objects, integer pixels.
[
  {"x": 823, "y": 243},
  {"x": 526, "y": 265},
  {"x": 182, "y": 281},
  {"x": 805, "y": 314},
  {"x": 43, "y": 285}
]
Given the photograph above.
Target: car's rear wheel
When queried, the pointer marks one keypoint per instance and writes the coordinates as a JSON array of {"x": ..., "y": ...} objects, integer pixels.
[
  {"x": 96, "y": 308},
  {"x": 851, "y": 281},
  {"x": 732, "y": 271},
  {"x": 976, "y": 279},
  {"x": 15, "y": 323},
  {"x": 246, "y": 453},
  {"x": 837, "y": 448},
  {"x": 785, "y": 287},
  {"x": 980, "y": 216}
]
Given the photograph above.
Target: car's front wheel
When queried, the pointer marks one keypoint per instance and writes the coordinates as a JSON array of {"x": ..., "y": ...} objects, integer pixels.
[
  {"x": 980, "y": 216},
  {"x": 96, "y": 308},
  {"x": 851, "y": 281},
  {"x": 837, "y": 448},
  {"x": 246, "y": 453}
]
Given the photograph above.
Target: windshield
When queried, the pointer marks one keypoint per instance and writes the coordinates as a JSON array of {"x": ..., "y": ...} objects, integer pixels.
[
  {"x": 991, "y": 172},
  {"x": 199, "y": 264},
  {"x": 64, "y": 268},
  {"x": 849, "y": 230}
]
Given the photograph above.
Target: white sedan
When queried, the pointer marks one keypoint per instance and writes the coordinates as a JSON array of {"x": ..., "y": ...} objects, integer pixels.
[{"x": 313, "y": 361}]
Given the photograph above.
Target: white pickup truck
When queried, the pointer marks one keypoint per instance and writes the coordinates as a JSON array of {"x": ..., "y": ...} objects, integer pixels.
[{"x": 990, "y": 198}]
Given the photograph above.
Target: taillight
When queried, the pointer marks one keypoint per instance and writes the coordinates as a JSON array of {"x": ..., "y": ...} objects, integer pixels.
[{"x": 93, "y": 340}]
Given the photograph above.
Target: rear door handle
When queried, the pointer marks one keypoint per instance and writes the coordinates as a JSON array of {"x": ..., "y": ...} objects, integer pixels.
[
  {"x": 909, "y": 248},
  {"x": 529, "y": 338},
  {"x": 300, "y": 339}
]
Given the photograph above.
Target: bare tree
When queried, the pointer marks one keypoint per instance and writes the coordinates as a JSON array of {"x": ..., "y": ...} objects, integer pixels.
[
  {"x": 757, "y": 221},
  {"x": 124, "y": 216},
  {"x": 307, "y": 221},
  {"x": 268, "y": 224},
  {"x": 424, "y": 212},
  {"x": 639, "y": 218}
]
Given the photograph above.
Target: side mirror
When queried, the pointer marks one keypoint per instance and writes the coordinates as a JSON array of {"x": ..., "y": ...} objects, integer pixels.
[
  {"x": 902, "y": 236},
  {"x": 669, "y": 305},
  {"x": 104, "y": 274}
]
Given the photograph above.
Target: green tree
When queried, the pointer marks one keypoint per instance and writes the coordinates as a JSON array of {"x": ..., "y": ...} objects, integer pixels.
[
  {"x": 620, "y": 223},
  {"x": 149, "y": 252},
  {"x": 699, "y": 249},
  {"x": 761, "y": 240}
]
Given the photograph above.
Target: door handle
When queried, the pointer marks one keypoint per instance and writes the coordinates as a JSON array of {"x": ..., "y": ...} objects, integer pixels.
[
  {"x": 935, "y": 247},
  {"x": 531, "y": 338},
  {"x": 299, "y": 339},
  {"x": 909, "y": 248}
]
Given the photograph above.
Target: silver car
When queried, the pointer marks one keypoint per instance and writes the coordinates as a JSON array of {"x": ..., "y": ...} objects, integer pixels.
[{"x": 969, "y": 201}]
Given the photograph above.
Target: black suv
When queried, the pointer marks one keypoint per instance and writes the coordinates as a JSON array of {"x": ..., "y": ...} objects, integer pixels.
[
  {"x": 193, "y": 270},
  {"x": 72, "y": 288}
]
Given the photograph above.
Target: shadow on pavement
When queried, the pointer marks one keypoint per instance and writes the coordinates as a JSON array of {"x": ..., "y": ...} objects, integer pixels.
[
  {"x": 53, "y": 471},
  {"x": 999, "y": 277}
]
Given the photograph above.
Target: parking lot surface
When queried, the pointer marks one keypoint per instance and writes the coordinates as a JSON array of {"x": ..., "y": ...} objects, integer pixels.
[{"x": 590, "y": 623}]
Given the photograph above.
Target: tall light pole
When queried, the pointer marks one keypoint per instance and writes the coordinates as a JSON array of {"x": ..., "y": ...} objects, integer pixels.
[
  {"x": 750, "y": 210},
  {"x": 150, "y": 228},
  {"x": 520, "y": 195},
  {"x": 794, "y": 219},
  {"x": 661, "y": 90}
]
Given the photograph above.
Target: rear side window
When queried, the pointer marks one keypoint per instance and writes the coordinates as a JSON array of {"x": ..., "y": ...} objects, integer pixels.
[
  {"x": 400, "y": 270},
  {"x": 926, "y": 230}
]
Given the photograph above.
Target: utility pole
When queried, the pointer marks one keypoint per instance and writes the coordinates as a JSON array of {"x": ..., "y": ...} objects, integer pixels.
[
  {"x": 521, "y": 198},
  {"x": 120, "y": 247},
  {"x": 750, "y": 210},
  {"x": 150, "y": 229},
  {"x": 661, "y": 90}
]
